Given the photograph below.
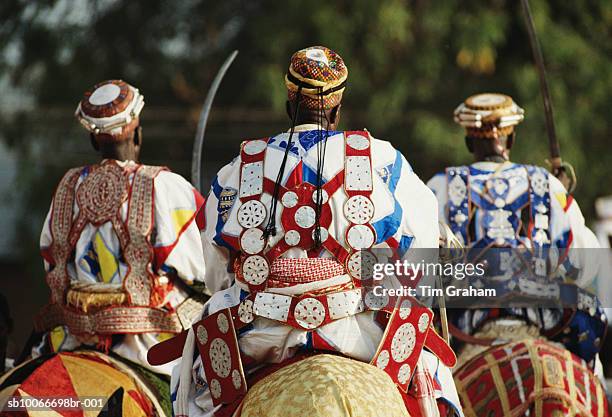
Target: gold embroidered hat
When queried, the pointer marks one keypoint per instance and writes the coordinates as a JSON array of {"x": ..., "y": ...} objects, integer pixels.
[
  {"x": 110, "y": 110},
  {"x": 489, "y": 115},
  {"x": 320, "y": 76}
]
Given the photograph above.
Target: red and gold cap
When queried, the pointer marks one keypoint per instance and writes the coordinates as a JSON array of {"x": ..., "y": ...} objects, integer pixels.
[
  {"x": 489, "y": 115},
  {"x": 110, "y": 110},
  {"x": 320, "y": 75}
]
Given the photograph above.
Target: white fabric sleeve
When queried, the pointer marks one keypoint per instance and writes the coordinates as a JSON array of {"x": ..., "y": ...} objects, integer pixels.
[
  {"x": 420, "y": 207},
  {"x": 439, "y": 186},
  {"x": 566, "y": 216},
  {"x": 216, "y": 254},
  {"x": 45, "y": 237},
  {"x": 176, "y": 205}
]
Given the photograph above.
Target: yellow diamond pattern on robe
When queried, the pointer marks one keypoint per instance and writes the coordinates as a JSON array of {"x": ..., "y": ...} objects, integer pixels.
[
  {"x": 57, "y": 337},
  {"x": 325, "y": 386},
  {"x": 106, "y": 259},
  {"x": 180, "y": 217},
  {"x": 562, "y": 199}
]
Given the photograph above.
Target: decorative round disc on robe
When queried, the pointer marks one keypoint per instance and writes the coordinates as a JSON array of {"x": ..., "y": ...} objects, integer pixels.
[
  {"x": 252, "y": 241},
  {"x": 254, "y": 147},
  {"x": 245, "y": 311},
  {"x": 360, "y": 236},
  {"x": 405, "y": 309},
  {"x": 255, "y": 269},
  {"x": 403, "y": 342},
  {"x": 309, "y": 313},
  {"x": 360, "y": 264},
  {"x": 376, "y": 302},
  {"x": 403, "y": 374},
  {"x": 358, "y": 142},
  {"x": 423, "y": 322},
  {"x": 323, "y": 233},
  {"x": 292, "y": 237},
  {"x": 383, "y": 359},
  {"x": 220, "y": 357},
  {"x": 305, "y": 217},
  {"x": 202, "y": 335},
  {"x": 251, "y": 214},
  {"x": 289, "y": 199},
  {"x": 222, "y": 323},
  {"x": 324, "y": 196},
  {"x": 236, "y": 379},
  {"x": 215, "y": 388},
  {"x": 358, "y": 209}
]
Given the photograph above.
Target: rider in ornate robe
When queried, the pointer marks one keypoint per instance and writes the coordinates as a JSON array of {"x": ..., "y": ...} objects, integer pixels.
[
  {"x": 496, "y": 203},
  {"x": 121, "y": 244},
  {"x": 290, "y": 222}
]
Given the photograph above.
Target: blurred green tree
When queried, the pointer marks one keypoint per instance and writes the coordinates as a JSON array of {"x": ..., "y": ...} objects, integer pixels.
[{"x": 410, "y": 63}]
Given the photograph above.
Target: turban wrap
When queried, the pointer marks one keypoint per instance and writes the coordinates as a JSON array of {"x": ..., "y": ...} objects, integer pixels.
[
  {"x": 320, "y": 76},
  {"x": 489, "y": 115},
  {"x": 110, "y": 110}
]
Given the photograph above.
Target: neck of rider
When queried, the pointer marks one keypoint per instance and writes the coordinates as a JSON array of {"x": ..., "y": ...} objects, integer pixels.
[
  {"x": 328, "y": 119},
  {"x": 490, "y": 149},
  {"x": 125, "y": 149}
]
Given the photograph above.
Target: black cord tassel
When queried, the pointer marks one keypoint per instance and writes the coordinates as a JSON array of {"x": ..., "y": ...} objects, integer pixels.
[{"x": 270, "y": 229}]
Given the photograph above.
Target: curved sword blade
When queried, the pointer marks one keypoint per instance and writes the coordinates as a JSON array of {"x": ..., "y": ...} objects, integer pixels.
[
  {"x": 553, "y": 142},
  {"x": 198, "y": 145}
]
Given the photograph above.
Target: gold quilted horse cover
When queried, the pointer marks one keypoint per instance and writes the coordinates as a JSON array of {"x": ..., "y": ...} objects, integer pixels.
[{"x": 324, "y": 386}]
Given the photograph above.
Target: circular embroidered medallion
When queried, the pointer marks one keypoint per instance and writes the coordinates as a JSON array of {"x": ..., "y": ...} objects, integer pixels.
[
  {"x": 220, "y": 357},
  {"x": 403, "y": 374},
  {"x": 359, "y": 209},
  {"x": 324, "y": 196},
  {"x": 104, "y": 94},
  {"x": 358, "y": 142},
  {"x": 376, "y": 302},
  {"x": 360, "y": 236},
  {"x": 305, "y": 217},
  {"x": 252, "y": 241},
  {"x": 309, "y": 313},
  {"x": 222, "y": 323},
  {"x": 360, "y": 264},
  {"x": 215, "y": 388},
  {"x": 323, "y": 233},
  {"x": 255, "y": 269},
  {"x": 488, "y": 101},
  {"x": 202, "y": 335},
  {"x": 289, "y": 199},
  {"x": 383, "y": 359},
  {"x": 403, "y": 342},
  {"x": 405, "y": 309},
  {"x": 102, "y": 193},
  {"x": 253, "y": 147},
  {"x": 236, "y": 379},
  {"x": 251, "y": 214},
  {"x": 245, "y": 311},
  {"x": 423, "y": 322},
  {"x": 292, "y": 237}
]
